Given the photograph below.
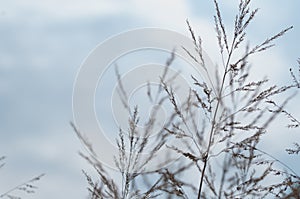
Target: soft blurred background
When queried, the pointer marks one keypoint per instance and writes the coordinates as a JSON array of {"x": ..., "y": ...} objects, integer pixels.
[{"x": 42, "y": 45}]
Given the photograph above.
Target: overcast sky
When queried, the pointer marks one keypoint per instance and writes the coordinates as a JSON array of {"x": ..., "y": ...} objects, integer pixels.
[{"x": 42, "y": 45}]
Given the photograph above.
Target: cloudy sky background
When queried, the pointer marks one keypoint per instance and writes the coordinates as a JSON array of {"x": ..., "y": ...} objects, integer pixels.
[{"x": 42, "y": 46}]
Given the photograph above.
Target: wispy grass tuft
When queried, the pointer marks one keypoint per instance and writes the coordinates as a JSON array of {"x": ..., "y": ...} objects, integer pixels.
[
  {"x": 28, "y": 187},
  {"x": 222, "y": 150}
]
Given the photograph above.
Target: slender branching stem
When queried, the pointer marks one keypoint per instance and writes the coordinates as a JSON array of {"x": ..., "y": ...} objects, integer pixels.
[{"x": 212, "y": 129}]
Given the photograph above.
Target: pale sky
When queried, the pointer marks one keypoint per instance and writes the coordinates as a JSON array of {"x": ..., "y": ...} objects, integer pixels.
[{"x": 42, "y": 46}]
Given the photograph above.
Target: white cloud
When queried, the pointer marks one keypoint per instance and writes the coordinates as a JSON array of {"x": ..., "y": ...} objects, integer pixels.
[
  {"x": 159, "y": 13},
  {"x": 61, "y": 8},
  {"x": 170, "y": 13}
]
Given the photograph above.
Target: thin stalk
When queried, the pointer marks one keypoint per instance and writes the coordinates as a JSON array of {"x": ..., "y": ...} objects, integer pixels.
[{"x": 214, "y": 121}]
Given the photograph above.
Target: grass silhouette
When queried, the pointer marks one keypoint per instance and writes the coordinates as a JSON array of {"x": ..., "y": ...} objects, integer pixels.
[{"x": 223, "y": 150}]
